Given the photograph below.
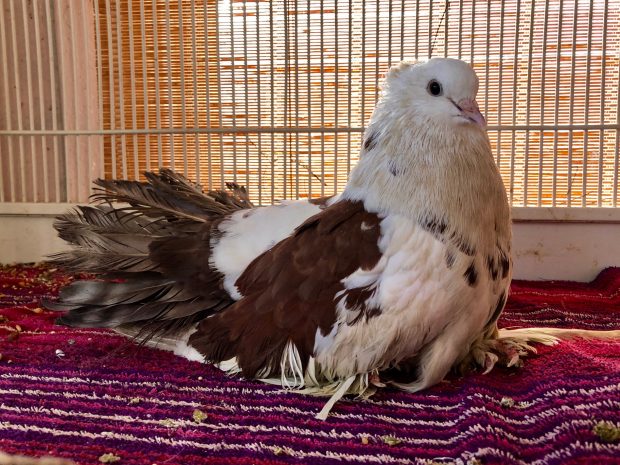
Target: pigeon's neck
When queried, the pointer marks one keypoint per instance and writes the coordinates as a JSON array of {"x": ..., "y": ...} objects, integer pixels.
[{"x": 433, "y": 174}]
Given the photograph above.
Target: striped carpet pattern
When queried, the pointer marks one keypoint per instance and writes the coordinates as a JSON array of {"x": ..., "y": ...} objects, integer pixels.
[{"x": 93, "y": 397}]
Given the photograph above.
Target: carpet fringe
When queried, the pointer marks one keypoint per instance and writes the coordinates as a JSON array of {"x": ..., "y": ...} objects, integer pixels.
[
  {"x": 550, "y": 336},
  {"x": 7, "y": 459}
]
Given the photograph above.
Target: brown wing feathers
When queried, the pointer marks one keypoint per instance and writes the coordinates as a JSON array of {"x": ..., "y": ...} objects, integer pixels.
[
  {"x": 290, "y": 291},
  {"x": 152, "y": 256}
]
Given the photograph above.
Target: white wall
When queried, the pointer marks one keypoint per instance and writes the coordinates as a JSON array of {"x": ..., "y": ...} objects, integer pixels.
[
  {"x": 573, "y": 251},
  {"x": 547, "y": 244}
]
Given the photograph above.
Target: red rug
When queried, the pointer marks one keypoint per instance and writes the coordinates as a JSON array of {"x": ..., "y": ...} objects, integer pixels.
[{"x": 93, "y": 397}]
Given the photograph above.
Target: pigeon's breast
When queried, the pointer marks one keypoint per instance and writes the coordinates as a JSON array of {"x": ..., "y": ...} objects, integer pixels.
[{"x": 421, "y": 287}]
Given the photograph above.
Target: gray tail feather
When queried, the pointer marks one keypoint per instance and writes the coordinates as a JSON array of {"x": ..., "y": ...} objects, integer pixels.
[
  {"x": 107, "y": 238},
  {"x": 150, "y": 255}
]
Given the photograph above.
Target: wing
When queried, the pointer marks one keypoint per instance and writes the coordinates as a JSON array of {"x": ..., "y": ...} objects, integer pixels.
[{"x": 290, "y": 291}]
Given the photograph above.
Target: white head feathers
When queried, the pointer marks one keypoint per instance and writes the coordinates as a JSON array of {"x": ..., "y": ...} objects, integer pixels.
[
  {"x": 441, "y": 90},
  {"x": 426, "y": 151}
]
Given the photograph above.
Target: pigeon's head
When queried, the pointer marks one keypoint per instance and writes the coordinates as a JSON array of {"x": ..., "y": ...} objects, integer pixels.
[{"x": 441, "y": 91}]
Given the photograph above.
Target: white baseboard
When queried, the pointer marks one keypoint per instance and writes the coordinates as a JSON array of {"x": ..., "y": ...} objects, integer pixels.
[{"x": 545, "y": 246}]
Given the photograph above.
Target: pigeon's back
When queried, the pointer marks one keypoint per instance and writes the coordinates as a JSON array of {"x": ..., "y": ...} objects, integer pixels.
[{"x": 168, "y": 256}]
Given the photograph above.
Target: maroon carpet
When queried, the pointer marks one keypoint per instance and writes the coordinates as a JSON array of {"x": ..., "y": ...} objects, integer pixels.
[{"x": 81, "y": 394}]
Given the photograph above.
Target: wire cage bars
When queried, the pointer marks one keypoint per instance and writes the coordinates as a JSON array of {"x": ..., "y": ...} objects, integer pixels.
[{"x": 275, "y": 94}]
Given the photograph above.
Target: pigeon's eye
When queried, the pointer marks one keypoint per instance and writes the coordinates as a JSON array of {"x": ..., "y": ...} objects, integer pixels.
[{"x": 434, "y": 88}]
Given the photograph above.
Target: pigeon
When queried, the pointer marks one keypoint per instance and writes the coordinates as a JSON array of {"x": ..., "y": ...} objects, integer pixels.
[{"x": 396, "y": 281}]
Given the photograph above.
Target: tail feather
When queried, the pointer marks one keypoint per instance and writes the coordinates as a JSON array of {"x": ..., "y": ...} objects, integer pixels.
[
  {"x": 152, "y": 254},
  {"x": 168, "y": 195}
]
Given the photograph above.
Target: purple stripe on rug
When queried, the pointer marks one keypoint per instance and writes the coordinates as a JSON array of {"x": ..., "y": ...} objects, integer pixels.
[{"x": 102, "y": 394}]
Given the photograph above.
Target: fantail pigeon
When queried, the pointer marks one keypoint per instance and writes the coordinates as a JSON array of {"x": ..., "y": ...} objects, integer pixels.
[{"x": 397, "y": 280}]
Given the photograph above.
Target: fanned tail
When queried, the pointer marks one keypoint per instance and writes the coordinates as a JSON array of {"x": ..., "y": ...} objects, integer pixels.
[{"x": 150, "y": 254}]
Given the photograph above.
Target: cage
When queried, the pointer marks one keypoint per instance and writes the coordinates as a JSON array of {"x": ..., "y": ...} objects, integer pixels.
[{"x": 276, "y": 95}]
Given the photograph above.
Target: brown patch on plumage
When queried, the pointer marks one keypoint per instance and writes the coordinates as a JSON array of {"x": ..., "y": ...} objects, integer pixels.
[
  {"x": 501, "y": 302},
  {"x": 441, "y": 231},
  {"x": 450, "y": 258},
  {"x": 290, "y": 291},
  {"x": 504, "y": 264},
  {"x": 370, "y": 142},
  {"x": 471, "y": 275},
  {"x": 492, "y": 267},
  {"x": 356, "y": 303}
]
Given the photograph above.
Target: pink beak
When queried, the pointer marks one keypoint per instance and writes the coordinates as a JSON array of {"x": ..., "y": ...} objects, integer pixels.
[{"x": 469, "y": 109}]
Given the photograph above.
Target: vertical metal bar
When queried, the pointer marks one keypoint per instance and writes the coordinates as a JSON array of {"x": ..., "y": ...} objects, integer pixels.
[
  {"x": 528, "y": 104},
  {"x": 417, "y": 28},
  {"x": 157, "y": 88},
  {"x": 121, "y": 87},
  {"x": 571, "y": 112},
  {"x": 132, "y": 71},
  {"x": 85, "y": 40},
  {"x": 389, "y": 35},
  {"x": 602, "y": 115},
  {"x": 74, "y": 64},
  {"x": 460, "y": 53},
  {"x": 218, "y": 62},
  {"x": 52, "y": 64},
  {"x": 246, "y": 93},
  {"x": 487, "y": 54},
  {"x": 472, "y": 44},
  {"x": 195, "y": 92},
  {"x": 363, "y": 68},
  {"x": 259, "y": 138},
  {"x": 37, "y": 38},
  {"x": 445, "y": 28},
  {"x": 336, "y": 102},
  {"x": 323, "y": 99},
  {"x": 30, "y": 91},
  {"x": 287, "y": 100},
  {"x": 208, "y": 95},
  {"x": 99, "y": 88},
  {"x": 514, "y": 101},
  {"x": 271, "y": 91},
  {"x": 617, "y": 158},
  {"x": 296, "y": 48},
  {"x": 309, "y": 103},
  {"x": 501, "y": 76},
  {"x": 5, "y": 73},
  {"x": 541, "y": 170},
  {"x": 182, "y": 76},
  {"x": 233, "y": 91},
  {"x": 145, "y": 86},
  {"x": 556, "y": 114},
  {"x": 402, "y": 34},
  {"x": 430, "y": 29},
  {"x": 350, "y": 79},
  {"x": 111, "y": 83},
  {"x": 584, "y": 180},
  {"x": 169, "y": 78},
  {"x": 18, "y": 96},
  {"x": 377, "y": 47}
]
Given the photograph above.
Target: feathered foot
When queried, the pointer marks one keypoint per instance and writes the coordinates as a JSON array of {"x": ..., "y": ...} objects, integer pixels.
[{"x": 508, "y": 347}]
